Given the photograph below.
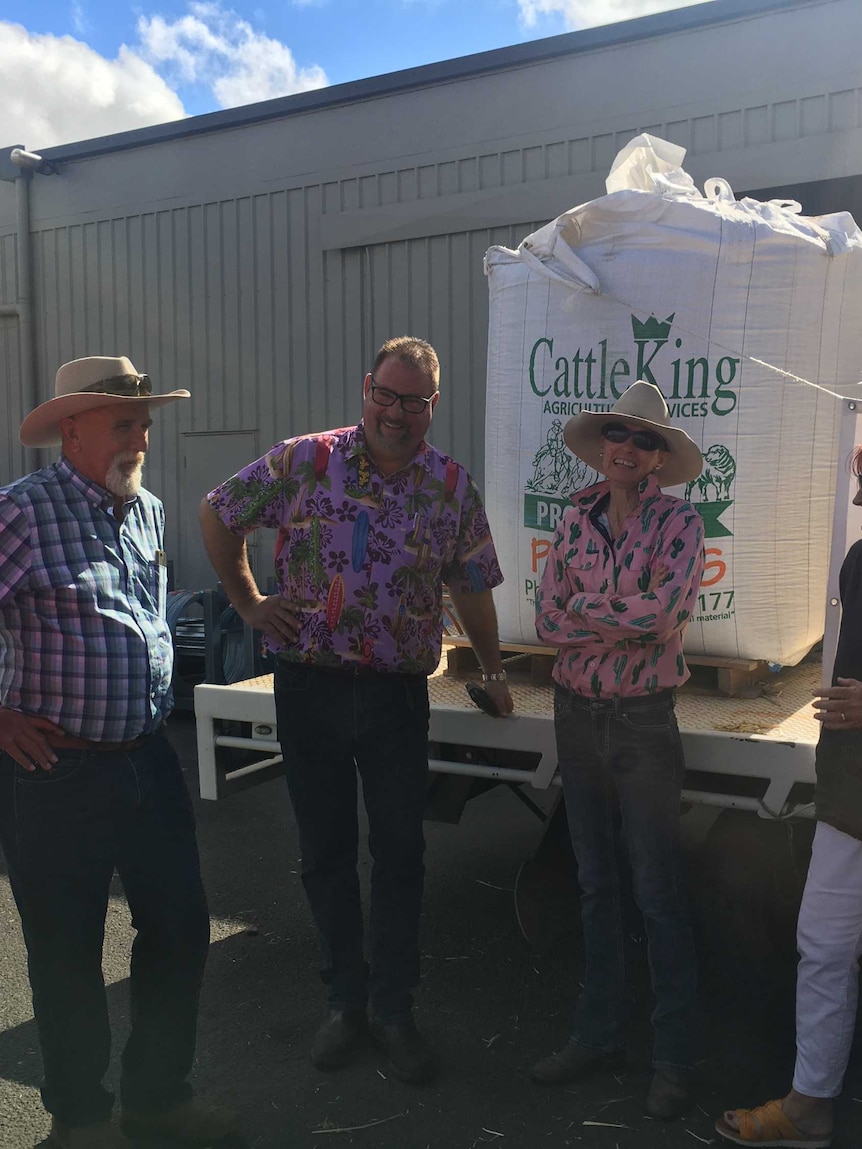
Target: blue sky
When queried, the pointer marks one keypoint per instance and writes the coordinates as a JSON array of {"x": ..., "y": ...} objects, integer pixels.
[{"x": 73, "y": 69}]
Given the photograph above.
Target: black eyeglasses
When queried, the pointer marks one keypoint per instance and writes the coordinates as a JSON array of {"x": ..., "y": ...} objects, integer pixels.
[
  {"x": 125, "y": 385},
  {"x": 412, "y": 404},
  {"x": 643, "y": 440}
]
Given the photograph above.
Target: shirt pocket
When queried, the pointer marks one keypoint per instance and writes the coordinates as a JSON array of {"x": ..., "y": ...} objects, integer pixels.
[
  {"x": 635, "y": 572},
  {"x": 584, "y": 574},
  {"x": 421, "y": 548},
  {"x": 149, "y": 582},
  {"x": 65, "y": 589},
  {"x": 157, "y": 584}
]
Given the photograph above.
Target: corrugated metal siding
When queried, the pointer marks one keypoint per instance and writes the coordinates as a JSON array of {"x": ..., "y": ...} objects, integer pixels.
[
  {"x": 8, "y": 269},
  {"x": 435, "y": 288},
  {"x": 236, "y": 301},
  {"x": 12, "y": 454},
  {"x": 261, "y": 267}
]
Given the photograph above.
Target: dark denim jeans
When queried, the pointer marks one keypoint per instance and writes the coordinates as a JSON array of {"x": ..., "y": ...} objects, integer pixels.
[
  {"x": 621, "y": 764},
  {"x": 332, "y": 724},
  {"x": 64, "y": 833}
]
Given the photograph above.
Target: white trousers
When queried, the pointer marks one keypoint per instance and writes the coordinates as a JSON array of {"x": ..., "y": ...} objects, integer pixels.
[{"x": 829, "y": 939}]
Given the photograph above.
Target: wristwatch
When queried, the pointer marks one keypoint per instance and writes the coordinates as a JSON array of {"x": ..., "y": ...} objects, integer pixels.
[{"x": 497, "y": 676}]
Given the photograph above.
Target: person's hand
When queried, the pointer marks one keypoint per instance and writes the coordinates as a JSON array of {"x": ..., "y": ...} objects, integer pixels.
[
  {"x": 840, "y": 707},
  {"x": 657, "y": 577},
  {"x": 499, "y": 692},
  {"x": 22, "y": 737},
  {"x": 273, "y": 615}
]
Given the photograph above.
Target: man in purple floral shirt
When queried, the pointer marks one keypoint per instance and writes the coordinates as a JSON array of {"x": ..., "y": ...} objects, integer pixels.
[{"x": 371, "y": 522}]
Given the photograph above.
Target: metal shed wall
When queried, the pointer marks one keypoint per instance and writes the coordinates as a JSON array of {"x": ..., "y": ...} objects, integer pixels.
[{"x": 261, "y": 262}]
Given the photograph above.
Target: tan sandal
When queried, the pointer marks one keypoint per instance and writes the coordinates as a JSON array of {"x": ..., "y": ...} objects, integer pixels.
[{"x": 769, "y": 1127}]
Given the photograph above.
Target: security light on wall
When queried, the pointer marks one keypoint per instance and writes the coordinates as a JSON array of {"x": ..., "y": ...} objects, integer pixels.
[{"x": 31, "y": 160}]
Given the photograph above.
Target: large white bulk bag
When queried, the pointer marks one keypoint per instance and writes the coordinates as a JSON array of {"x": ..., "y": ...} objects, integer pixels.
[{"x": 701, "y": 295}]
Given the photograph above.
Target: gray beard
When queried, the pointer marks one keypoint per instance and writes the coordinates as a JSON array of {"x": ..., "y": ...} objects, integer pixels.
[{"x": 122, "y": 484}]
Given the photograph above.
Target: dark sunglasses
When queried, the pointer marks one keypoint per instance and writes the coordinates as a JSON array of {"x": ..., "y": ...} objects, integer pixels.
[
  {"x": 482, "y": 699},
  {"x": 138, "y": 386},
  {"x": 412, "y": 404},
  {"x": 643, "y": 440}
]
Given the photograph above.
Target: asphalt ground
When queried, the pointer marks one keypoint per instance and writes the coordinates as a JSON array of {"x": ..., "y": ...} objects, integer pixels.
[{"x": 491, "y": 1003}]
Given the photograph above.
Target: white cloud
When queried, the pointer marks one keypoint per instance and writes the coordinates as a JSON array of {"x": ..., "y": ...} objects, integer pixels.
[
  {"x": 55, "y": 89},
  {"x": 79, "y": 19},
  {"x": 214, "y": 46},
  {"x": 589, "y": 13}
]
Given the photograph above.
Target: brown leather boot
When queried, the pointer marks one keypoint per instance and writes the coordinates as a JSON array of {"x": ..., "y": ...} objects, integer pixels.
[
  {"x": 339, "y": 1038},
  {"x": 101, "y": 1135},
  {"x": 411, "y": 1058},
  {"x": 195, "y": 1122},
  {"x": 669, "y": 1094},
  {"x": 574, "y": 1062}
]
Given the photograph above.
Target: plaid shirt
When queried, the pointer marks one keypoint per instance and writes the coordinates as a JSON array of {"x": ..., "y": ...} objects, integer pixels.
[{"x": 83, "y": 635}]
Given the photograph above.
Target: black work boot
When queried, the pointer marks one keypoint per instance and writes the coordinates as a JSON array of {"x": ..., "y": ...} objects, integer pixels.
[
  {"x": 411, "y": 1058},
  {"x": 339, "y": 1038}
]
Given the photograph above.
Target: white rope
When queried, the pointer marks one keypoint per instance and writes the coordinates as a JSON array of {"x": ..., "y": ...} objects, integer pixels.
[{"x": 799, "y": 379}]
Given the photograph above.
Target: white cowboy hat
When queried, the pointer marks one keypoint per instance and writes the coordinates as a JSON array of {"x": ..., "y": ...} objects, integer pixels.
[
  {"x": 643, "y": 404},
  {"x": 83, "y": 384}
]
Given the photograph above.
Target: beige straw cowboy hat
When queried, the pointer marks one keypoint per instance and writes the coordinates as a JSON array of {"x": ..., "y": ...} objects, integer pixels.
[
  {"x": 83, "y": 384},
  {"x": 644, "y": 405}
]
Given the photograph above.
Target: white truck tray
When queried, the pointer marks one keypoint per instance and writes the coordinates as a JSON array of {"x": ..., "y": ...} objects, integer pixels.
[{"x": 743, "y": 753}]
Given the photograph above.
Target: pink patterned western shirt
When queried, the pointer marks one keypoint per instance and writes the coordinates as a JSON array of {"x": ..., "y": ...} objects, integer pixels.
[{"x": 615, "y": 636}]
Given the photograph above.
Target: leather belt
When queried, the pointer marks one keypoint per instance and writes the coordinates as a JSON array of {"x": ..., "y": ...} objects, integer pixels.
[
  {"x": 617, "y": 704},
  {"x": 351, "y": 669},
  {"x": 71, "y": 742}
]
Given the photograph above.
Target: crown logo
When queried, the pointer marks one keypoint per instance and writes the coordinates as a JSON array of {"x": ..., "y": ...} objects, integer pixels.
[{"x": 652, "y": 329}]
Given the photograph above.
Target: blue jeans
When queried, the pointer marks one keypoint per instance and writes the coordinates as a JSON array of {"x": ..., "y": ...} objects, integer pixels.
[
  {"x": 622, "y": 765},
  {"x": 63, "y": 833},
  {"x": 332, "y": 724}
]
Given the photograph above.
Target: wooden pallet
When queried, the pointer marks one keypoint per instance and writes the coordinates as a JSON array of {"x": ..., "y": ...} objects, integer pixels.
[
  {"x": 730, "y": 675},
  {"x": 533, "y": 663}
]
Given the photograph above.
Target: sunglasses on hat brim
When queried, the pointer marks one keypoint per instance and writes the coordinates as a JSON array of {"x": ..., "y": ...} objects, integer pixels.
[
  {"x": 128, "y": 386},
  {"x": 644, "y": 440}
]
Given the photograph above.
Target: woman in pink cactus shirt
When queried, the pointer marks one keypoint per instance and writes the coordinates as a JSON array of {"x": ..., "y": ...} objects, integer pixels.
[{"x": 618, "y": 590}]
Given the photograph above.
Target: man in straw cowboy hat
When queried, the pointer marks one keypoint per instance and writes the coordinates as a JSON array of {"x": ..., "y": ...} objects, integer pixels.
[
  {"x": 618, "y": 590},
  {"x": 88, "y": 781}
]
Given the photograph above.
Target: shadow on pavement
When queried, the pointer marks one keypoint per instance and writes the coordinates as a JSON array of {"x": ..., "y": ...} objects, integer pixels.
[{"x": 491, "y": 1004}]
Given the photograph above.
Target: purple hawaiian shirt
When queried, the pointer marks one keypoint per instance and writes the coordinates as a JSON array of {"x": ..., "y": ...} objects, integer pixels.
[{"x": 364, "y": 555}]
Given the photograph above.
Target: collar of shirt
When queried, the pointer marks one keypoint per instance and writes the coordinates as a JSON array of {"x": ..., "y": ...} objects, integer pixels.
[
  {"x": 420, "y": 459},
  {"x": 647, "y": 489},
  {"x": 94, "y": 493}
]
